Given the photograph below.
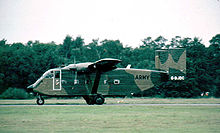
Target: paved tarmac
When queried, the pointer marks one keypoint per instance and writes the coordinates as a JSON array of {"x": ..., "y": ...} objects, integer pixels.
[{"x": 54, "y": 105}]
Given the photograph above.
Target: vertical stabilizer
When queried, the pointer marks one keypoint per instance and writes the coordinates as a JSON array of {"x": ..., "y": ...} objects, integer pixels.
[{"x": 172, "y": 61}]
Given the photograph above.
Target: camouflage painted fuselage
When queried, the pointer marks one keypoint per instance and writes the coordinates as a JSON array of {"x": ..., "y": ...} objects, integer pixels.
[
  {"x": 118, "y": 82},
  {"x": 102, "y": 78}
]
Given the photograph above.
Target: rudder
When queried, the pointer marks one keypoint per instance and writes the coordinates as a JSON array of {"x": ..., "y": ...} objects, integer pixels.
[{"x": 172, "y": 61}]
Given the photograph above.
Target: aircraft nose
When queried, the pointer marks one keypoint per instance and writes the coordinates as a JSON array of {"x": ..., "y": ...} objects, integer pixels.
[{"x": 30, "y": 88}]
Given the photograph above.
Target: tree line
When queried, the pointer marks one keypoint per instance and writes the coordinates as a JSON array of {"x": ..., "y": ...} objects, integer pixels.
[{"x": 22, "y": 64}]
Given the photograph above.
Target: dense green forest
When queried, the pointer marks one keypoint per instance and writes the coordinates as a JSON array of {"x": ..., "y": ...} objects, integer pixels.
[{"x": 22, "y": 64}]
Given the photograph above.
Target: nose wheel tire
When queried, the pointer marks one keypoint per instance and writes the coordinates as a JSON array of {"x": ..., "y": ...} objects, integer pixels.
[{"x": 40, "y": 101}]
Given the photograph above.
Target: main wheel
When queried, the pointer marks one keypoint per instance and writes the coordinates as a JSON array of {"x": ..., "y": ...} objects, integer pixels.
[
  {"x": 99, "y": 99},
  {"x": 40, "y": 101}
]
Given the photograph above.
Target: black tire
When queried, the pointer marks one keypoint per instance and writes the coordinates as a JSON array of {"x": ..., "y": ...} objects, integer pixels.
[
  {"x": 40, "y": 101},
  {"x": 99, "y": 99}
]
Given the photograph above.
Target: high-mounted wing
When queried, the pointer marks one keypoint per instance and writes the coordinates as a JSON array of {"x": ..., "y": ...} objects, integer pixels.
[
  {"x": 106, "y": 64},
  {"x": 100, "y": 66},
  {"x": 103, "y": 65}
]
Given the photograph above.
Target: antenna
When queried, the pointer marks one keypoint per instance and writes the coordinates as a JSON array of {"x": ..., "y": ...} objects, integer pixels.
[{"x": 74, "y": 60}]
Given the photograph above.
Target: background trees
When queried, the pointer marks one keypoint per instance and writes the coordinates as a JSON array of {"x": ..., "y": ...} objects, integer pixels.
[
  {"x": 22, "y": 64},
  {"x": 213, "y": 64}
]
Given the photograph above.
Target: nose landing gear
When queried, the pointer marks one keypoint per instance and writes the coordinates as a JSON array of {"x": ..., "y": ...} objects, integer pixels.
[{"x": 40, "y": 100}]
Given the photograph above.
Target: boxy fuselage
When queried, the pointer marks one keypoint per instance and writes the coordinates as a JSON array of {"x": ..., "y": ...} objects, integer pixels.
[
  {"x": 117, "y": 82},
  {"x": 96, "y": 80}
]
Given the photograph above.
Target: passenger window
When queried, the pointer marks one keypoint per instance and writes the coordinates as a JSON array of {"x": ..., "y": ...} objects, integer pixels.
[
  {"x": 87, "y": 81},
  {"x": 76, "y": 81},
  {"x": 116, "y": 81}
]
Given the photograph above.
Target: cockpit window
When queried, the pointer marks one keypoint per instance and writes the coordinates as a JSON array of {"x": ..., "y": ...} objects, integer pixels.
[{"x": 49, "y": 74}]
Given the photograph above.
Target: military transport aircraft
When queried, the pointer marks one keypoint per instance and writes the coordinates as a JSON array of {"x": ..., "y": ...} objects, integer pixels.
[{"x": 97, "y": 80}]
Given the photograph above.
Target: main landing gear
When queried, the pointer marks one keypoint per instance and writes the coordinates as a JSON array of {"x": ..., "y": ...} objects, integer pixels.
[
  {"x": 90, "y": 99},
  {"x": 94, "y": 99},
  {"x": 40, "y": 100}
]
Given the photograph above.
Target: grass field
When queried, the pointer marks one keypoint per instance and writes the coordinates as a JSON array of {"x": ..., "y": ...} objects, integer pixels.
[
  {"x": 84, "y": 118},
  {"x": 81, "y": 101}
]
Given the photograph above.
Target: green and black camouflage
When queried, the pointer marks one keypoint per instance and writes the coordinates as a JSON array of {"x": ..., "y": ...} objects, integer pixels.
[
  {"x": 172, "y": 61},
  {"x": 100, "y": 79}
]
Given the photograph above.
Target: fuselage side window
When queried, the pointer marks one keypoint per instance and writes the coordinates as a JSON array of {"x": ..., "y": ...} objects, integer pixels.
[
  {"x": 116, "y": 81},
  {"x": 105, "y": 82},
  {"x": 76, "y": 81}
]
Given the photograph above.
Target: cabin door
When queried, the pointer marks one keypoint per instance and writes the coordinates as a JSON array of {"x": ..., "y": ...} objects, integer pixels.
[{"x": 56, "y": 80}]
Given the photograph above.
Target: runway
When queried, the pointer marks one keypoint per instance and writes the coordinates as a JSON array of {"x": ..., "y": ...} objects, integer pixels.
[{"x": 75, "y": 105}]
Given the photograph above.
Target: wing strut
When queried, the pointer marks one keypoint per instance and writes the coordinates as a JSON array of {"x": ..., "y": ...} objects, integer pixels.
[
  {"x": 95, "y": 98},
  {"x": 96, "y": 82}
]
